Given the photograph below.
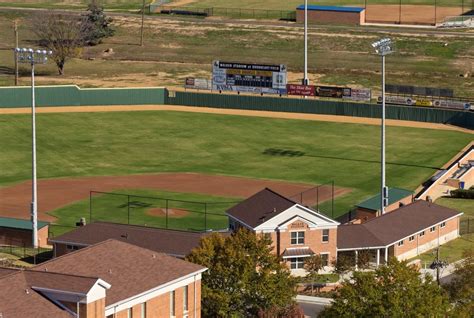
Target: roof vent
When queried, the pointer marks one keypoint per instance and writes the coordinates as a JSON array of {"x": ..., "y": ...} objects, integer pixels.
[
  {"x": 110, "y": 271},
  {"x": 153, "y": 255},
  {"x": 45, "y": 269},
  {"x": 274, "y": 210},
  {"x": 27, "y": 291},
  {"x": 125, "y": 236}
]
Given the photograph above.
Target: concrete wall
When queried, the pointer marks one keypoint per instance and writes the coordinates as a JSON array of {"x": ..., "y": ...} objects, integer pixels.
[
  {"x": 19, "y": 237},
  {"x": 337, "y": 17}
]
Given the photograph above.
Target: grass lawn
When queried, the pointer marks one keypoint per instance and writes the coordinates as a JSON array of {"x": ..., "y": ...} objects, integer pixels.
[
  {"x": 450, "y": 252},
  {"x": 114, "y": 208},
  {"x": 84, "y": 144},
  {"x": 463, "y": 205},
  {"x": 6, "y": 259}
]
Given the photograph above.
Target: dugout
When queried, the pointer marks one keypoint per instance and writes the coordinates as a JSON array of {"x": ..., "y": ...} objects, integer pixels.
[
  {"x": 18, "y": 232},
  {"x": 331, "y": 14}
]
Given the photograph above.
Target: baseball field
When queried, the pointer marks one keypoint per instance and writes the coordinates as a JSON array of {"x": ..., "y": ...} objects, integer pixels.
[{"x": 231, "y": 157}]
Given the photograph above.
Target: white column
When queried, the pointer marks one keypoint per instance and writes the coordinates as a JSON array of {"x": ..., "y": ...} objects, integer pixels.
[
  {"x": 34, "y": 203},
  {"x": 382, "y": 193},
  {"x": 386, "y": 254},
  {"x": 378, "y": 257},
  {"x": 305, "y": 80}
]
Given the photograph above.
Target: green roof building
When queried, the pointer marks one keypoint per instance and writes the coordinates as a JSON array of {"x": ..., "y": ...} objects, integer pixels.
[
  {"x": 18, "y": 232},
  {"x": 396, "y": 198}
]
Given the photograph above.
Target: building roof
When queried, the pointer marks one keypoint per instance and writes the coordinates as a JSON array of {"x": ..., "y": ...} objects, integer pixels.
[
  {"x": 20, "y": 223},
  {"x": 394, "y": 195},
  {"x": 393, "y": 226},
  {"x": 129, "y": 269},
  {"x": 331, "y": 8},
  {"x": 19, "y": 300},
  {"x": 260, "y": 207},
  {"x": 172, "y": 242}
]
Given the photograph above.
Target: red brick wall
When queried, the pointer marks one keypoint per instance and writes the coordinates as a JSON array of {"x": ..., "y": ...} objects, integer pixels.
[
  {"x": 313, "y": 240},
  {"x": 61, "y": 249},
  {"x": 160, "y": 306},
  {"x": 9, "y": 236},
  {"x": 451, "y": 226},
  {"x": 331, "y": 17}
]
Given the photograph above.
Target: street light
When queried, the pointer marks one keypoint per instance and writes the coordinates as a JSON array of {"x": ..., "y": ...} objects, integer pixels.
[
  {"x": 32, "y": 57},
  {"x": 305, "y": 79},
  {"x": 383, "y": 47}
]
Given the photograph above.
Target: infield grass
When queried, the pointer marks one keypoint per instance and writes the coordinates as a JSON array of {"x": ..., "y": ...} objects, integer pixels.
[
  {"x": 203, "y": 211},
  {"x": 84, "y": 144}
]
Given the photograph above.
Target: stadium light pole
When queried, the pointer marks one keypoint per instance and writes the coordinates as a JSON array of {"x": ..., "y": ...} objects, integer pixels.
[
  {"x": 32, "y": 57},
  {"x": 305, "y": 80},
  {"x": 383, "y": 47}
]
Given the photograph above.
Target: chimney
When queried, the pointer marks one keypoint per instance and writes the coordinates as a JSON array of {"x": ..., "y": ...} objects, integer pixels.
[{"x": 81, "y": 222}]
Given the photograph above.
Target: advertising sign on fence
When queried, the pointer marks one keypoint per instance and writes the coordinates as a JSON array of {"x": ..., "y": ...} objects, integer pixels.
[
  {"x": 445, "y": 103},
  {"x": 253, "y": 78},
  {"x": 359, "y": 94},
  {"x": 301, "y": 90},
  {"x": 398, "y": 100},
  {"x": 197, "y": 83},
  {"x": 452, "y": 104},
  {"x": 332, "y": 91}
]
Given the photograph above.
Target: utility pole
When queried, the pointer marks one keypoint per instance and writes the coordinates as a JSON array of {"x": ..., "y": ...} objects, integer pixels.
[
  {"x": 15, "y": 30},
  {"x": 305, "y": 80},
  {"x": 143, "y": 23}
]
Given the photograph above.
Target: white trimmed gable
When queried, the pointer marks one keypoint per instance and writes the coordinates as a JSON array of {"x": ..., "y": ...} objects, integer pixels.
[{"x": 297, "y": 212}]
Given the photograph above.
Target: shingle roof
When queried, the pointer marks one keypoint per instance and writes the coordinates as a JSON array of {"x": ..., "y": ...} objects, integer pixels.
[
  {"x": 393, "y": 226},
  {"x": 260, "y": 207},
  {"x": 172, "y": 242},
  {"x": 20, "y": 223},
  {"x": 129, "y": 269},
  {"x": 18, "y": 300},
  {"x": 394, "y": 195}
]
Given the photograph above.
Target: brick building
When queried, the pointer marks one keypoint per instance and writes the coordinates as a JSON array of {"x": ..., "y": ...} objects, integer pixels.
[
  {"x": 370, "y": 208},
  {"x": 297, "y": 231},
  {"x": 403, "y": 233},
  {"x": 331, "y": 14},
  {"x": 19, "y": 232},
  {"x": 109, "y": 279}
]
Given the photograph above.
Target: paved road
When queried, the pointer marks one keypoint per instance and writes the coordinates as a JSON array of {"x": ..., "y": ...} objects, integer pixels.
[{"x": 311, "y": 309}]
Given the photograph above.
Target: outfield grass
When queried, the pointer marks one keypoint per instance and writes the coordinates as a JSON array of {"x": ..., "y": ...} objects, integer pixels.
[
  {"x": 114, "y": 207},
  {"x": 81, "y": 144}
]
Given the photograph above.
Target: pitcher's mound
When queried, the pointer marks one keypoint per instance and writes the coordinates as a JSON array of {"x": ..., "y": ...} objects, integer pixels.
[{"x": 174, "y": 213}]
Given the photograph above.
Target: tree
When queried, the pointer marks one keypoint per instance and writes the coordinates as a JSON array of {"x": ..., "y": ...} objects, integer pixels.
[
  {"x": 99, "y": 24},
  {"x": 461, "y": 288},
  {"x": 61, "y": 33},
  {"x": 393, "y": 290},
  {"x": 313, "y": 265},
  {"x": 343, "y": 264},
  {"x": 363, "y": 259},
  {"x": 244, "y": 277}
]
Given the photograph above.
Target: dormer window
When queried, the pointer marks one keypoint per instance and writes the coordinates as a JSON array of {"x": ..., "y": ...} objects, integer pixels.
[{"x": 297, "y": 238}]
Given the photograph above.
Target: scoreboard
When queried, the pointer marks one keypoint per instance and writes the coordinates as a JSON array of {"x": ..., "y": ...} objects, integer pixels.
[{"x": 253, "y": 78}]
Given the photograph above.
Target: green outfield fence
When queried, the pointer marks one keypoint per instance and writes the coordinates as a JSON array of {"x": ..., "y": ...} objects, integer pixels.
[
  {"x": 463, "y": 119},
  {"x": 72, "y": 95},
  {"x": 15, "y": 97}
]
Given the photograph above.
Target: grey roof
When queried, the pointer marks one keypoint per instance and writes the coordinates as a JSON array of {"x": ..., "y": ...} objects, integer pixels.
[
  {"x": 393, "y": 226},
  {"x": 172, "y": 242},
  {"x": 260, "y": 207}
]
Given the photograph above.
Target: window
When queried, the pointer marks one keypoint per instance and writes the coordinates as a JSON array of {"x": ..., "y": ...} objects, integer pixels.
[
  {"x": 432, "y": 229},
  {"x": 325, "y": 259},
  {"x": 422, "y": 234},
  {"x": 72, "y": 247},
  {"x": 400, "y": 243},
  {"x": 442, "y": 225},
  {"x": 325, "y": 235},
  {"x": 411, "y": 238},
  {"x": 296, "y": 263},
  {"x": 129, "y": 313},
  {"x": 297, "y": 238},
  {"x": 185, "y": 299},
  {"x": 143, "y": 310},
  {"x": 172, "y": 304}
]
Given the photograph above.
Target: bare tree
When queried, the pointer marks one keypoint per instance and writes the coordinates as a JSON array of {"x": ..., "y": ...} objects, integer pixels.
[{"x": 61, "y": 33}]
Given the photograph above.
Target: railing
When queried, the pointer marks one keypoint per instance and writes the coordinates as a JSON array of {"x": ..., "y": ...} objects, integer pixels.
[
  {"x": 240, "y": 13},
  {"x": 23, "y": 252}
]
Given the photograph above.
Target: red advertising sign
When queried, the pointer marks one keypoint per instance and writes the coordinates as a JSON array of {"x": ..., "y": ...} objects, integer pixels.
[{"x": 302, "y": 90}]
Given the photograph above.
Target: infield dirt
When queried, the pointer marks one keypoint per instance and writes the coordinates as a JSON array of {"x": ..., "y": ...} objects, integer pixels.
[{"x": 56, "y": 193}]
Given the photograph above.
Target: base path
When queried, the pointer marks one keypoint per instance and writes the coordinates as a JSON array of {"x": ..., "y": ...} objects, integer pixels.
[
  {"x": 56, "y": 193},
  {"x": 240, "y": 112}
]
